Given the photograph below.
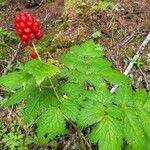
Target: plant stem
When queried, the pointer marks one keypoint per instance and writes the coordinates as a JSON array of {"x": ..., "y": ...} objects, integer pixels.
[
  {"x": 48, "y": 78},
  {"x": 36, "y": 51},
  {"x": 55, "y": 90},
  {"x": 79, "y": 134}
]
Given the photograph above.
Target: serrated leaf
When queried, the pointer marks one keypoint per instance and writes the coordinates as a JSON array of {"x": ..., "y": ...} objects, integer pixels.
[
  {"x": 114, "y": 76},
  {"x": 115, "y": 112},
  {"x": 87, "y": 49},
  {"x": 20, "y": 95},
  {"x": 70, "y": 108},
  {"x": 39, "y": 101},
  {"x": 108, "y": 133},
  {"x": 124, "y": 96},
  {"x": 133, "y": 130},
  {"x": 40, "y": 70},
  {"x": 92, "y": 112},
  {"x": 14, "y": 80},
  {"x": 147, "y": 105},
  {"x": 71, "y": 90},
  {"x": 144, "y": 120},
  {"x": 50, "y": 124},
  {"x": 141, "y": 97}
]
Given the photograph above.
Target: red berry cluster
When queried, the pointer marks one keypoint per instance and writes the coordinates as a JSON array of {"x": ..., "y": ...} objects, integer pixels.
[{"x": 27, "y": 28}]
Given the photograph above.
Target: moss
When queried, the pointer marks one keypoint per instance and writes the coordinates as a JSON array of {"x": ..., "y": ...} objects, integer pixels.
[
  {"x": 8, "y": 42},
  {"x": 5, "y": 52}
]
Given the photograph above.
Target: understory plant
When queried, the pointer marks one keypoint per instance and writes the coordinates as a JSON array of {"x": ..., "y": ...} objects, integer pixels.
[{"x": 75, "y": 90}]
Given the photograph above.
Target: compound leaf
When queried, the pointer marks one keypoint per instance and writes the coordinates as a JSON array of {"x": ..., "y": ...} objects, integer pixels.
[
  {"x": 50, "y": 124},
  {"x": 108, "y": 133},
  {"x": 114, "y": 76},
  {"x": 70, "y": 108},
  {"x": 133, "y": 131},
  {"x": 14, "y": 80},
  {"x": 40, "y": 70},
  {"x": 39, "y": 101},
  {"x": 92, "y": 112},
  {"x": 21, "y": 94}
]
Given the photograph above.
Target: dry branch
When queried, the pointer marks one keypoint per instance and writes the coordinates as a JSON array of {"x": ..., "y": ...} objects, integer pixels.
[
  {"x": 136, "y": 56},
  {"x": 12, "y": 59}
]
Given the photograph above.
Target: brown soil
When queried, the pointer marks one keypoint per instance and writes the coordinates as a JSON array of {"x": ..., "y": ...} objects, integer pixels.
[{"x": 46, "y": 10}]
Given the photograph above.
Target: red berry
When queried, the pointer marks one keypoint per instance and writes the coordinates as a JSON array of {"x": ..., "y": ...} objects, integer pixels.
[
  {"x": 19, "y": 32},
  {"x": 17, "y": 25},
  {"x": 33, "y": 55},
  {"x": 22, "y": 13},
  {"x": 30, "y": 18},
  {"x": 23, "y": 18},
  {"x": 24, "y": 43},
  {"x": 39, "y": 34},
  {"x": 35, "y": 23},
  {"x": 24, "y": 37},
  {"x": 27, "y": 30},
  {"x": 28, "y": 15},
  {"x": 29, "y": 23},
  {"x": 17, "y": 19},
  {"x": 22, "y": 25},
  {"x": 31, "y": 36},
  {"x": 35, "y": 29}
]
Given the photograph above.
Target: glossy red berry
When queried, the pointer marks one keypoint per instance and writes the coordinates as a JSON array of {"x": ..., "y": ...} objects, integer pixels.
[
  {"x": 24, "y": 37},
  {"x": 17, "y": 25},
  {"x": 36, "y": 24},
  {"x": 17, "y": 19},
  {"x": 22, "y": 13},
  {"x": 23, "y": 18},
  {"x": 39, "y": 34},
  {"x": 35, "y": 29},
  {"x": 22, "y": 25},
  {"x": 33, "y": 55},
  {"x": 29, "y": 23},
  {"x": 31, "y": 36},
  {"x": 24, "y": 43},
  {"x": 27, "y": 30},
  {"x": 19, "y": 32}
]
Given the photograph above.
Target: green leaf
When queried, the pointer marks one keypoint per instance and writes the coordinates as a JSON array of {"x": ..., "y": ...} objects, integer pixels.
[
  {"x": 133, "y": 130},
  {"x": 14, "y": 80},
  {"x": 71, "y": 90},
  {"x": 115, "y": 112},
  {"x": 124, "y": 96},
  {"x": 50, "y": 124},
  {"x": 87, "y": 49},
  {"x": 108, "y": 133},
  {"x": 40, "y": 70},
  {"x": 92, "y": 112},
  {"x": 114, "y": 76},
  {"x": 141, "y": 98},
  {"x": 70, "y": 108},
  {"x": 20, "y": 95},
  {"x": 39, "y": 101}
]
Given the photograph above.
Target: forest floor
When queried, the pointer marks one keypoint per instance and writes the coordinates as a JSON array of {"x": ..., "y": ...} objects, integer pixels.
[{"x": 123, "y": 30}]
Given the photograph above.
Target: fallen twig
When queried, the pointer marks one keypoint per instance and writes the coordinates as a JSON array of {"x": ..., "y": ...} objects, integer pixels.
[
  {"x": 146, "y": 81},
  {"x": 136, "y": 56},
  {"x": 12, "y": 59},
  {"x": 86, "y": 142},
  {"x": 69, "y": 143}
]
